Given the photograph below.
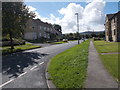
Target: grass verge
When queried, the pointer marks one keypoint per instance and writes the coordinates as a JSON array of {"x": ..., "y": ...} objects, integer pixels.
[
  {"x": 107, "y": 47},
  {"x": 7, "y": 50},
  {"x": 59, "y": 42},
  {"x": 110, "y": 61},
  {"x": 68, "y": 69}
]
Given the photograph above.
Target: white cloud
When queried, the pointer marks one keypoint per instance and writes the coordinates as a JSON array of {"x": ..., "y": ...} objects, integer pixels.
[
  {"x": 68, "y": 22},
  {"x": 31, "y": 8},
  {"x": 92, "y": 17},
  {"x": 94, "y": 12}
]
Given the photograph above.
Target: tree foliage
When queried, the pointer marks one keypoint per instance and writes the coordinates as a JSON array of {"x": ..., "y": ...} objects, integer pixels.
[
  {"x": 57, "y": 27},
  {"x": 14, "y": 18}
]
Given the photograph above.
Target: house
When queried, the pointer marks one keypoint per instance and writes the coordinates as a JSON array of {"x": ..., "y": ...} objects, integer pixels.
[
  {"x": 36, "y": 29},
  {"x": 112, "y": 27}
]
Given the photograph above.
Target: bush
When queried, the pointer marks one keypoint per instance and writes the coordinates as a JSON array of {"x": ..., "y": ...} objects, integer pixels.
[
  {"x": 7, "y": 42},
  {"x": 48, "y": 41}
]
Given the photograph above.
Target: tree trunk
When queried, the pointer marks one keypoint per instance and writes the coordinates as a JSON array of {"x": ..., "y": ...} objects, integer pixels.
[{"x": 11, "y": 41}]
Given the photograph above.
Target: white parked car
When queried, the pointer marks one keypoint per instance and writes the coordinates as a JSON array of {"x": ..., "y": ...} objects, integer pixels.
[{"x": 65, "y": 40}]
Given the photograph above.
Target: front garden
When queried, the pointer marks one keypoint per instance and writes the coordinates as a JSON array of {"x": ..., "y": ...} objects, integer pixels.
[{"x": 109, "y": 52}]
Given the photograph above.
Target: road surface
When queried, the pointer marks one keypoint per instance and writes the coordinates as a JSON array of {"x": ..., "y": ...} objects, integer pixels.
[{"x": 27, "y": 69}]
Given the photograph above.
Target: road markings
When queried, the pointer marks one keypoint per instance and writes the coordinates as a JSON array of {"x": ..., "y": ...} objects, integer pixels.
[
  {"x": 33, "y": 67},
  {"x": 36, "y": 66},
  {"x": 18, "y": 76},
  {"x": 41, "y": 63},
  {"x": 6, "y": 83},
  {"x": 22, "y": 74}
]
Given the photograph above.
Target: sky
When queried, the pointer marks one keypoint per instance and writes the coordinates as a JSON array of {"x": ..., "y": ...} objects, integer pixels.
[{"x": 91, "y": 14}]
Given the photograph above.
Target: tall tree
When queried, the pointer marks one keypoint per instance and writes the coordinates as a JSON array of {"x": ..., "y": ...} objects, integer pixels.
[
  {"x": 14, "y": 18},
  {"x": 57, "y": 27}
]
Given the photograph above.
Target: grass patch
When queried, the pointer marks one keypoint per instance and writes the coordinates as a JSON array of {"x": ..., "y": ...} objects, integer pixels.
[
  {"x": 68, "y": 69},
  {"x": 59, "y": 42},
  {"x": 110, "y": 61},
  {"x": 105, "y": 47},
  {"x": 6, "y": 50}
]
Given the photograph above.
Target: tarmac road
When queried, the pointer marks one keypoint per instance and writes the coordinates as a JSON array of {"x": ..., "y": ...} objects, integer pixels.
[{"x": 27, "y": 69}]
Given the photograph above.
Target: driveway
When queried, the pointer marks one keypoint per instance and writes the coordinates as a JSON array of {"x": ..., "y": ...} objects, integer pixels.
[{"x": 27, "y": 69}]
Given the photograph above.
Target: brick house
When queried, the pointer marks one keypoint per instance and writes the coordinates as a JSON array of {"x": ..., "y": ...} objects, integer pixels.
[
  {"x": 36, "y": 29},
  {"x": 112, "y": 27}
]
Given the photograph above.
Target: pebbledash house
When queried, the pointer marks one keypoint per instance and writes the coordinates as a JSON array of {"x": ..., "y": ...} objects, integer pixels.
[
  {"x": 36, "y": 29},
  {"x": 112, "y": 27}
]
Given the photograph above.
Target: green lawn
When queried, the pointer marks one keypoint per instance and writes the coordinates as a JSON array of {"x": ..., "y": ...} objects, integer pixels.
[
  {"x": 59, "y": 42},
  {"x": 111, "y": 63},
  {"x": 105, "y": 47},
  {"x": 18, "y": 48},
  {"x": 109, "y": 60},
  {"x": 68, "y": 69}
]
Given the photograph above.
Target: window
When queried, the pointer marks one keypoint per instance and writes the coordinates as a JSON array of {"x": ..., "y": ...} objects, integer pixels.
[
  {"x": 34, "y": 36},
  {"x": 40, "y": 34},
  {"x": 51, "y": 29},
  {"x": 114, "y": 31},
  {"x": 40, "y": 27},
  {"x": 44, "y": 34},
  {"x": 44, "y": 28},
  {"x": 114, "y": 20},
  {"x": 33, "y": 27},
  {"x": 48, "y": 29}
]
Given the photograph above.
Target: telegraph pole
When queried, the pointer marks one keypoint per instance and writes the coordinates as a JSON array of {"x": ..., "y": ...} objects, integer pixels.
[{"x": 77, "y": 26}]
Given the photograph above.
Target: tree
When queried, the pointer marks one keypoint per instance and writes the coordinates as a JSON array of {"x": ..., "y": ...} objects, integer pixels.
[
  {"x": 14, "y": 18},
  {"x": 57, "y": 27}
]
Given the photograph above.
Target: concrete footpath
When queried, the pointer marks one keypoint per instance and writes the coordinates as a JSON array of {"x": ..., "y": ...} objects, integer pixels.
[{"x": 97, "y": 75}]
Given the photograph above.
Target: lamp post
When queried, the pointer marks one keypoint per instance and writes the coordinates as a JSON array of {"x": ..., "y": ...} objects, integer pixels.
[{"x": 77, "y": 26}]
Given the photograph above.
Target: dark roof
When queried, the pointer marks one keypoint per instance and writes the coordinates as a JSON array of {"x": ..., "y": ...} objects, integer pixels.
[
  {"x": 110, "y": 16},
  {"x": 39, "y": 22}
]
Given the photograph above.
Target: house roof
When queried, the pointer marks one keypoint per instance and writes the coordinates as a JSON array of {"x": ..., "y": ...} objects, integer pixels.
[
  {"x": 110, "y": 16},
  {"x": 39, "y": 22}
]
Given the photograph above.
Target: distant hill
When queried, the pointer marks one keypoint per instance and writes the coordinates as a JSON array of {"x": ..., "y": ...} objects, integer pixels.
[{"x": 95, "y": 32}]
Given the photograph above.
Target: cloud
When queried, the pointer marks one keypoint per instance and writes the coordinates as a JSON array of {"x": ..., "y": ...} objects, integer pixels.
[
  {"x": 91, "y": 17},
  {"x": 93, "y": 12},
  {"x": 68, "y": 22},
  {"x": 31, "y": 8}
]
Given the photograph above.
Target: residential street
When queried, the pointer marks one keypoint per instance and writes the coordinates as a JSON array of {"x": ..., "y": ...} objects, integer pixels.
[{"x": 27, "y": 69}]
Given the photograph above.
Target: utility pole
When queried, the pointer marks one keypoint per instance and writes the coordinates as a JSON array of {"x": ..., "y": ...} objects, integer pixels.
[
  {"x": 77, "y": 26},
  {"x": 93, "y": 33}
]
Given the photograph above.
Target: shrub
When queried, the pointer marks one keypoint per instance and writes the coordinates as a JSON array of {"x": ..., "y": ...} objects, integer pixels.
[{"x": 7, "y": 42}]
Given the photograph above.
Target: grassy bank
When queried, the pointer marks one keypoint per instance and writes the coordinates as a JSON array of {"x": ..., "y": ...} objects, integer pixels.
[
  {"x": 68, "y": 69},
  {"x": 109, "y": 60},
  {"x": 7, "y": 50}
]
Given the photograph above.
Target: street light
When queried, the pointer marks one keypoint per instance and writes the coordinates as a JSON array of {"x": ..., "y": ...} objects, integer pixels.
[{"x": 77, "y": 26}]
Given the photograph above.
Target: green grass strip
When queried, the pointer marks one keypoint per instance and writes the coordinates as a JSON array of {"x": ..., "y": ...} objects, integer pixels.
[
  {"x": 110, "y": 61},
  {"x": 68, "y": 69},
  {"x": 7, "y": 50},
  {"x": 107, "y": 47},
  {"x": 59, "y": 42}
]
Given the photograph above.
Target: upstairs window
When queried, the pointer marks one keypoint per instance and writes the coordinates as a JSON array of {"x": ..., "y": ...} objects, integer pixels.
[
  {"x": 114, "y": 31},
  {"x": 114, "y": 20}
]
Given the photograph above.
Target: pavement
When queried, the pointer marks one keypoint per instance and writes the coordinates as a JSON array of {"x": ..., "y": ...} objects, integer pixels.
[
  {"x": 97, "y": 75},
  {"x": 26, "y": 69}
]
